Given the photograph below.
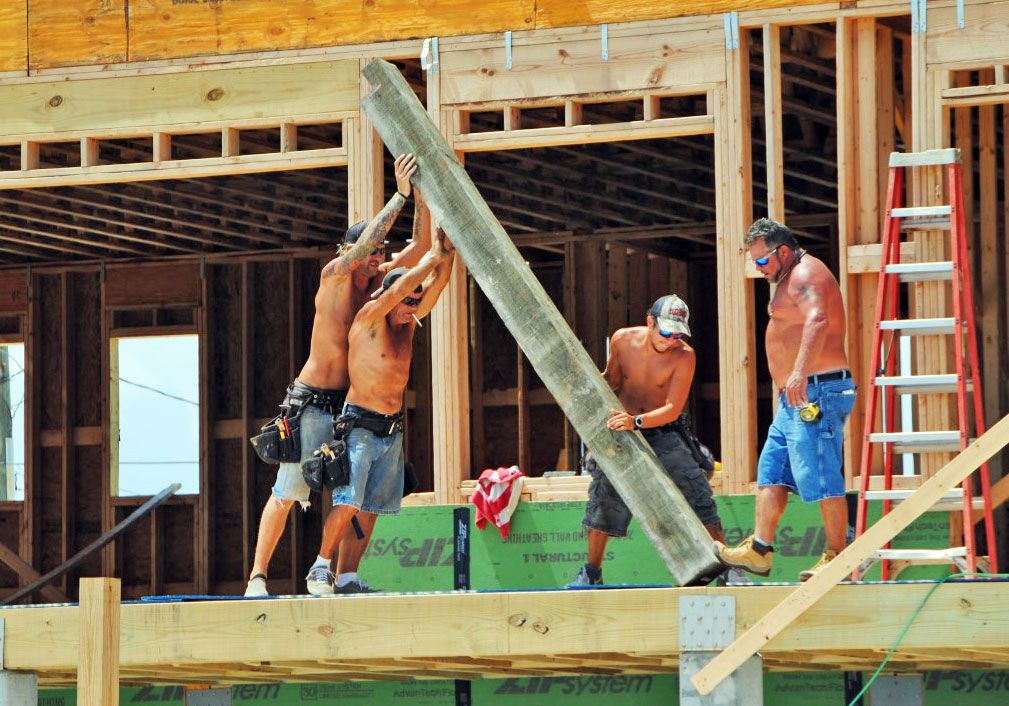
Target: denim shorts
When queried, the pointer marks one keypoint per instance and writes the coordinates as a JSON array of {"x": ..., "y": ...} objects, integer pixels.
[
  {"x": 316, "y": 428},
  {"x": 805, "y": 457},
  {"x": 607, "y": 512},
  {"x": 376, "y": 473}
]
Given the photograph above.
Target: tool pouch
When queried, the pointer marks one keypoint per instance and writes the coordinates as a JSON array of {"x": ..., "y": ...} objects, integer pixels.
[
  {"x": 701, "y": 453},
  {"x": 329, "y": 466},
  {"x": 279, "y": 441}
]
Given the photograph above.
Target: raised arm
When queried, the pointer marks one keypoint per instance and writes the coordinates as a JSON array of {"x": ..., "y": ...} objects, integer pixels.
[
  {"x": 806, "y": 288},
  {"x": 441, "y": 274},
  {"x": 378, "y": 228},
  {"x": 420, "y": 243},
  {"x": 400, "y": 289}
]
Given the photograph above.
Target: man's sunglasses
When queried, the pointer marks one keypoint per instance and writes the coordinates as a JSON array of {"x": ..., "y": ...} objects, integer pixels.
[
  {"x": 379, "y": 250},
  {"x": 412, "y": 301},
  {"x": 675, "y": 335},
  {"x": 762, "y": 261}
]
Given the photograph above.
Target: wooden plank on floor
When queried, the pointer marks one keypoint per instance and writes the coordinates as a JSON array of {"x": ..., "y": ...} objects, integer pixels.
[
  {"x": 804, "y": 597},
  {"x": 538, "y": 326}
]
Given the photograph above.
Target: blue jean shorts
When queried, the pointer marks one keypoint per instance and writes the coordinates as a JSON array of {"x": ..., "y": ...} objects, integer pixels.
[
  {"x": 316, "y": 429},
  {"x": 376, "y": 473},
  {"x": 805, "y": 457}
]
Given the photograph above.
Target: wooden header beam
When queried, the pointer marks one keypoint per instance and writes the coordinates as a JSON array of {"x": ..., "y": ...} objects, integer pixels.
[{"x": 537, "y": 325}]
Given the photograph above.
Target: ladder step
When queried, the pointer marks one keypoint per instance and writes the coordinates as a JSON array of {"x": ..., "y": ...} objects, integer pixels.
[
  {"x": 924, "y": 556},
  {"x": 921, "y": 271},
  {"x": 920, "y": 327},
  {"x": 922, "y": 384},
  {"x": 928, "y": 158},
  {"x": 909, "y": 442},
  {"x": 920, "y": 212},
  {"x": 950, "y": 502},
  {"x": 928, "y": 224}
]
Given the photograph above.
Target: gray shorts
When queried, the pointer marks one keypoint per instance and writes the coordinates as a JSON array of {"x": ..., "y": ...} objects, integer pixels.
[
  {"x": 316, "y": 428},
  {"x": 607, "y": 512}
]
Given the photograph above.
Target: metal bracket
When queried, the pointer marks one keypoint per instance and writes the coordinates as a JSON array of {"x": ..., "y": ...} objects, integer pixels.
[
  {"x": 508, "y": 50},
  {"x": 919, "y": 18},
  {"x": 208, "y": 697},
  {"x": 604, "y": 39},
  {"x": 429, "y": 55},
  {"x": 959, "y": 14},
  {"x": 730, "y": 21},
  {"x": 707, "y": 623}
]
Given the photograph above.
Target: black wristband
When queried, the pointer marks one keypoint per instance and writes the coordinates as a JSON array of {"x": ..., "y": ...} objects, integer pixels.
[{"x": 405, "y": 197}]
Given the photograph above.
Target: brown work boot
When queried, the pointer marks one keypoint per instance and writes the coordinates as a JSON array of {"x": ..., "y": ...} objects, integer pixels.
[
  {"x": 825, "y": 559},
  {"x": 745, "y": 557}
]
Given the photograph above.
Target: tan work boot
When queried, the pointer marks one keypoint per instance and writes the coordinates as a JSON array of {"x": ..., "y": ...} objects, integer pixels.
[
  {"x": 745, "y": 557},
  {"x": 825, "y": 559}
]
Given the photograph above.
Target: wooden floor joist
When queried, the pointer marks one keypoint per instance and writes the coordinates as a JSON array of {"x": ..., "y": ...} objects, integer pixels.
[
  {"x": 526, "y": 633},
  {"x": 538, "y": 327}
]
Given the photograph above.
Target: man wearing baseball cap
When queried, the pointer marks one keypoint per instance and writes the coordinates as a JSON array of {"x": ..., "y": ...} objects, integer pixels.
[{"x": 650, "y": 368}]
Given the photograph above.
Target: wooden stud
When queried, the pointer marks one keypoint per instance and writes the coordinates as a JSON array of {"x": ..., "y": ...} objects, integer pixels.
[
  {"x": 289, "y": 137},
  {"x": 1000, "y": 74},
  {"x": 29, "y": 155},
  {"x": 68, "y": 470},
  {"x": 513, "y": 118},
  {"x": 98, "y": 651},
  {"x": 230, "y": 139},
  {"x": 524, "y": 421},
  {"x": 988, "y": 277},
  {"x": 653, "y": 107},
  {"x": 773, "y": 140},
  {"x": 204, "y": 514},
  {"x": 616, "y": 287},
  {"x": 110, "y": 419},
  {"x": 572, "y": 113},
  {"x": 250, "y": 513},
  {"x": 89, "y": 151},
  {"x": 162, "y": 147},
  {"x": 476, "y": 364}
]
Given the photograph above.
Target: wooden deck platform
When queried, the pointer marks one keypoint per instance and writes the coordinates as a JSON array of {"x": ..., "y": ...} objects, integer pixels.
[{"x": 505, "y": 634}]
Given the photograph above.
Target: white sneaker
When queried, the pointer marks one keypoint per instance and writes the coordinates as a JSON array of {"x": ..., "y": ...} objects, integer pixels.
[
  {"x": 320, "y": 581},
  {"x": 256, "y": 587}
]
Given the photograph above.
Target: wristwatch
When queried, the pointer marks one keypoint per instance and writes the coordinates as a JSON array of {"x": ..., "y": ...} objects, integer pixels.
[{"x": 639, "y": 422}]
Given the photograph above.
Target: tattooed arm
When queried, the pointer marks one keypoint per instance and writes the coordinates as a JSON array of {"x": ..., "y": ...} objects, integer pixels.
[
  {"x": 421, "y": 241},
  {"x": 378, "y": 228}
]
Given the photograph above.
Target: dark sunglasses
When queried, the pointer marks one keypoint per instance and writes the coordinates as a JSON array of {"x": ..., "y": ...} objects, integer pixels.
[
  {"x": 412, "y": 301},
  {"x": 379, "y": 250},
  {"x": 675, "y": 335},
  {"x": 762, "y": 261}
]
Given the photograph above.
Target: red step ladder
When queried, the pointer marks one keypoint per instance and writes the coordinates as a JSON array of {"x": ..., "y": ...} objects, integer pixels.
[{"x": 964, "y": 383}]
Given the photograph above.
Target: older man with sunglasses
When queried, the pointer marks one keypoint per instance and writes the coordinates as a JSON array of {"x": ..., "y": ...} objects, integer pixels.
[
  {"x": 809, "y": 367},
  {"x": 651, "y": 369}
]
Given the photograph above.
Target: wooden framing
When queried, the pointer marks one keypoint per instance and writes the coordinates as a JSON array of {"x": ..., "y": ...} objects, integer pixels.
[{"x": 531, "y": 633}]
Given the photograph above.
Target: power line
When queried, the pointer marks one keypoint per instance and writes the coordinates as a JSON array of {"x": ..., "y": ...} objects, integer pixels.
[{"x": 158, "y": 391}]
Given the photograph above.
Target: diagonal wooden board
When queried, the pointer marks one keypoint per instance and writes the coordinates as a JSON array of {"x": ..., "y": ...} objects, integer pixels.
[
  {"x": 786, "y": 612},
  {"x": 538, "y": 327}
]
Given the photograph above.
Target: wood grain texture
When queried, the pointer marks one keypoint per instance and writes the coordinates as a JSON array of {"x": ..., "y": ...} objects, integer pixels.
[
  {"x": 98, "y": 649},
  {"x": 564, "y": 13},
  {"x": 62, "y": 33},
  {"x": 161, "y": 29},
  {"x": 195, "y": 97},
  {"x": 537, "y": 325},
  {"x": 13, "y": 36}
]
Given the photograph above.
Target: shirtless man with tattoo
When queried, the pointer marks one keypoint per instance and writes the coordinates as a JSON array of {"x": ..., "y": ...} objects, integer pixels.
[
  {"x": 809, "y": 367},
  {"x": 381, "y": 347},
  {"x": 319, "y": 390}
]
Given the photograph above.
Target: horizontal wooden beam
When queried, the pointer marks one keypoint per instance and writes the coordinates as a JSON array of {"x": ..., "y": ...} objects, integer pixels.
[
  {"x": 212, "y": 638},
  {"x": 584, "y": 134},
  {"x": 131, "y": 103}
]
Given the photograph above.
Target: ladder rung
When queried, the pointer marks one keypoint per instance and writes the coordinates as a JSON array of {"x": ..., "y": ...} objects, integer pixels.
[
  {"x": 928, "y": 158},
  {"x": 950, "y": 502},
  {"x": 927, "y": 224},
  {"x": 921, "y": 271},
  {"x": 920, "y": 212},
  {"x": 921, "y": 384},
  {"x": 920, "y": 327},
  {"x": 918, "y": 441},
  {"x": 923, "y": 556}
]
